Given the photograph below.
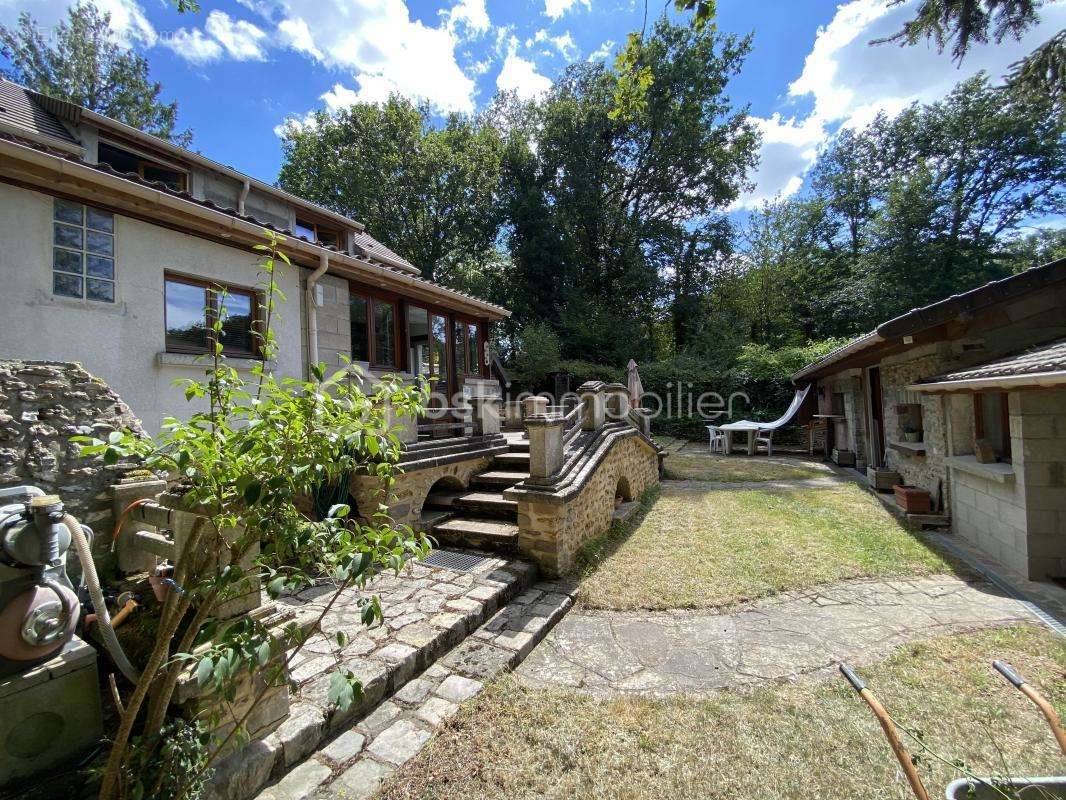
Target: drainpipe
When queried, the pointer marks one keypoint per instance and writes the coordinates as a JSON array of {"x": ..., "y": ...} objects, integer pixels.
[
  {"x": 247, "y": 187},
  {"x": 312, "y": 308}
]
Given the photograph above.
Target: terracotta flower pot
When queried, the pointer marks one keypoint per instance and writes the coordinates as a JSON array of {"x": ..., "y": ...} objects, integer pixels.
[{"x": 912, "y": 499}]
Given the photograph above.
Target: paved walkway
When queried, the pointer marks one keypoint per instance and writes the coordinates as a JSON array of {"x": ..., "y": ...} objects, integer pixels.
[{"x": 780, "y": 638}]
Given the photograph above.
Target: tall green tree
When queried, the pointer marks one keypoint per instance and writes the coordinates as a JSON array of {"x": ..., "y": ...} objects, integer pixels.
[
  {"x": 616, "y": 172},
  {"x": 429, "y": 193},
  {"x": 82, "y": 63}
]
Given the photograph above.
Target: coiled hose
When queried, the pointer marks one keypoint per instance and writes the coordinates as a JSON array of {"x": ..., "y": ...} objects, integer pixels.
[{"x": 103, "y": 618}]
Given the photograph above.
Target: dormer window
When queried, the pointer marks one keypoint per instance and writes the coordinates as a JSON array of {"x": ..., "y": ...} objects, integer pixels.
[
  {"x": 314, "y": 232},
  {"x": 125, "y": 160}
]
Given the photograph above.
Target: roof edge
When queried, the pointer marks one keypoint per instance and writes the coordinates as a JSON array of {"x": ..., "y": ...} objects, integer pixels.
[{"x": 1031, "y": 379}]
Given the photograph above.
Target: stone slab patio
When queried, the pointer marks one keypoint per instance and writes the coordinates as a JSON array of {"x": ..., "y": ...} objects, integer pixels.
[{"x": 782, "y": 638}]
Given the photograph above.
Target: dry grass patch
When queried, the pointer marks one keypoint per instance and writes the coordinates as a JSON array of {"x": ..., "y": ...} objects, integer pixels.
[
  {"x": 738, "y": 469},
  {"x": 701, "y": 547},
  {"x": 812, "y": 740}
]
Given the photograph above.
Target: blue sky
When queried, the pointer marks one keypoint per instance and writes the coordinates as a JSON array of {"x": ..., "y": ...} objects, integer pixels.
[{"x": 240, "y": 68}]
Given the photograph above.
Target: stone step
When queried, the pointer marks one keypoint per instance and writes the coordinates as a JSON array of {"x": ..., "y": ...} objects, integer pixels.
[
  {"x": 514, "y": 460},
  {"x": 428, "y": 611},
  {"x": 482, "y": 534},
  {"x": 494, "y": 477},
  {"x": 518, "y": 445},
  {"x": 492, "y": 503},
  {"x": 354, "y": 764}
]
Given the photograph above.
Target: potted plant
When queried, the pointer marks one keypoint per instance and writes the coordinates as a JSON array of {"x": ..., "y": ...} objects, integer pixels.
[{"x": 912, "y": 499}]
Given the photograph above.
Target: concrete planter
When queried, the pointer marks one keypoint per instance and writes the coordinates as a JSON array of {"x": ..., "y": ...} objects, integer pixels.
[
  {"x": 1044, "y": 788},
  {"x": 882, "y": 479},
  {"x": 912, "y": 499}
]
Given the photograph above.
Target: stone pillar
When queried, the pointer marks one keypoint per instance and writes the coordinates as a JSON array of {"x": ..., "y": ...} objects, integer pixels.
[
  {"x": 485, "y": 415},
  {"x": 643, "y": 421},
  {"x": 132, "y": 558},
  {"x": 404, "y": 426},
  {"x": 533, "y": 406},
  {"x": 545, "y": 446},
  {"x": 592, "y": 396},
  {"x": 617, "y": 401}
]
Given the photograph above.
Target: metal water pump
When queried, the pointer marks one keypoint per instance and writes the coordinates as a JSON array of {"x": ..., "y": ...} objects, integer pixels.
[{"x": 39, "y": 607}]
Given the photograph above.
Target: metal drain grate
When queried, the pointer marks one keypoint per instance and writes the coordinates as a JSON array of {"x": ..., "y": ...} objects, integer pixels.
[{"x": 459, "y": 562}]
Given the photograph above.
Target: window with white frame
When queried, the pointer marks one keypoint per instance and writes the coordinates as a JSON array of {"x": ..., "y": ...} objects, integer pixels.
[{"x": 83, "y": 252}]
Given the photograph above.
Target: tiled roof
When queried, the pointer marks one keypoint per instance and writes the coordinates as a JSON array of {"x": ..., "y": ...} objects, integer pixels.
[
  {"x": 375, "y": 249},
  {"x": 370, "y": 244},
  {"x": 929, "y": 316},
  {"x": 19, "y": 109},
  {"x": 1035, "y": 361}
]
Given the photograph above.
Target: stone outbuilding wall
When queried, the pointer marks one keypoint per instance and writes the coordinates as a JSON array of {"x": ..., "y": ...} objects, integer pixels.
[
  {"x": 43, "y": 404},
  {"x": 554, "y": 525}
]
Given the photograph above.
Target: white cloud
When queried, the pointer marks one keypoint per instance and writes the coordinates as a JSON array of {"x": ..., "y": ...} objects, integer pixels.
[
  {"x": 519, "y": 75},
  {"x": 554, "y": 9},
  {"x": 193, "y": 46},
  {"x": 564, "y": 43},
  {"x": 382, "y": 48},
  {"x": 471, "y": 15},
  {"x": 128, "y": 20},
  {"x": 602, "y": 52},
  {"x": 242, "y": 40},
  {"x": 848, "y": 81},
  {"x": 295, "y": 33}
]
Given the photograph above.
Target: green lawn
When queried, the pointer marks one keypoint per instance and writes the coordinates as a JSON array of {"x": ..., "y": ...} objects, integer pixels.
[
  {"x": 725, "y": 469},
  {"x": 697, "y": 546},
  {"x": 814, "y": 740}
]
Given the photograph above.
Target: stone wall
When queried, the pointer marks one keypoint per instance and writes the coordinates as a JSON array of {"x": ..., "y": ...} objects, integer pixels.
[
  {"x": 926, "y": 471},
  {"x": 44, "y": 404},
  {"x": 1038, "y": 436},
  {"x": 411, "y": 488},
  {"x": 1016, "y": 512},
  {"x": 851, "y": 435},
  {"x": 552, "y": 527}
]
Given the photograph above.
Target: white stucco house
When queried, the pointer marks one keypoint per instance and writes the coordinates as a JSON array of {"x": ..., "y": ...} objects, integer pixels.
[{"x": 115, "y": 244}]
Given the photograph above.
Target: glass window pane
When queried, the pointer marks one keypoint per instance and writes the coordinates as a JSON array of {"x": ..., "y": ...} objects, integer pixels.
[
  {"x": 357, "y": 308},
  {"x": 186, "y": 316},
  {"x": 96, "y": 289},
  {"x": 472, "y": 348},
  {"x": 100, "y": 267},
  {"x": 459, "y": 333},
  {"x": 418, "y": 340},
  {"x": 305, "y": 229},
  {"x": 100, "y": 220},
  {"x": 238, "y": 313},
  {"x": 66, "y": 211},
  {"x": 384, "y": 333},
  {"x": 102, "y": 243},
  {"x": 66, "y": 260},
  {"x": 66, "y": 285},
  {"x": 66, "y": 236},
  {"x": 440, "y": 348}
]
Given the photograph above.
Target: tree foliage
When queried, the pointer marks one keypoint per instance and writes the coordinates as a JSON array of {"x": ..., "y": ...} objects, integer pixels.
[
  {"x": 83, "y": 64},
  {"x": 429, "y": 193},
  {"x": 957, "y": 24}
]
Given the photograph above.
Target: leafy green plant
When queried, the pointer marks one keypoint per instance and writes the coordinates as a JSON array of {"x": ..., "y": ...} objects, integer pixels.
[{"x": 247, "y": 464}]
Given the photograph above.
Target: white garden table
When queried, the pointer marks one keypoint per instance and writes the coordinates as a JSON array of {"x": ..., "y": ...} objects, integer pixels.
[{"x": 743, "y": 426}]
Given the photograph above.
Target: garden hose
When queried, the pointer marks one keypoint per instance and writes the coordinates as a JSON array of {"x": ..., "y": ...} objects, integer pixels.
[{"x": 92, "y": 581}]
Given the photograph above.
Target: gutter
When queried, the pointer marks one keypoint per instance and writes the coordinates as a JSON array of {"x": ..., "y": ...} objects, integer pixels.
[
  {"x": 353, "y": 267},
  {"x": 312, "y": 308},
  {"x": 1034, "y": 380}
]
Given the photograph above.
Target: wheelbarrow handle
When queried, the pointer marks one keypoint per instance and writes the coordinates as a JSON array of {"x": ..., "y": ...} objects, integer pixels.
[
  {"x": 856, "y": 682},
  {"x": 1008, "y": 672}
]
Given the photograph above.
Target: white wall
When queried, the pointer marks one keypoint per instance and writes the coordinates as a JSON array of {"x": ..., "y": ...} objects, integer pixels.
[{"x": 119, "y": 342}]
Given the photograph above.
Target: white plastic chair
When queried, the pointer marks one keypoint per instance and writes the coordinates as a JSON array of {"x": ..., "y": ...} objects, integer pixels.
[
  {"x": 717, "y": 439},
  {"x": 764, "y": 438}
]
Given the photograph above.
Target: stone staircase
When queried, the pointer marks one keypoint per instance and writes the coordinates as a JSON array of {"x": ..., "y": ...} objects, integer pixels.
[{"x": 481, "y": 517}]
